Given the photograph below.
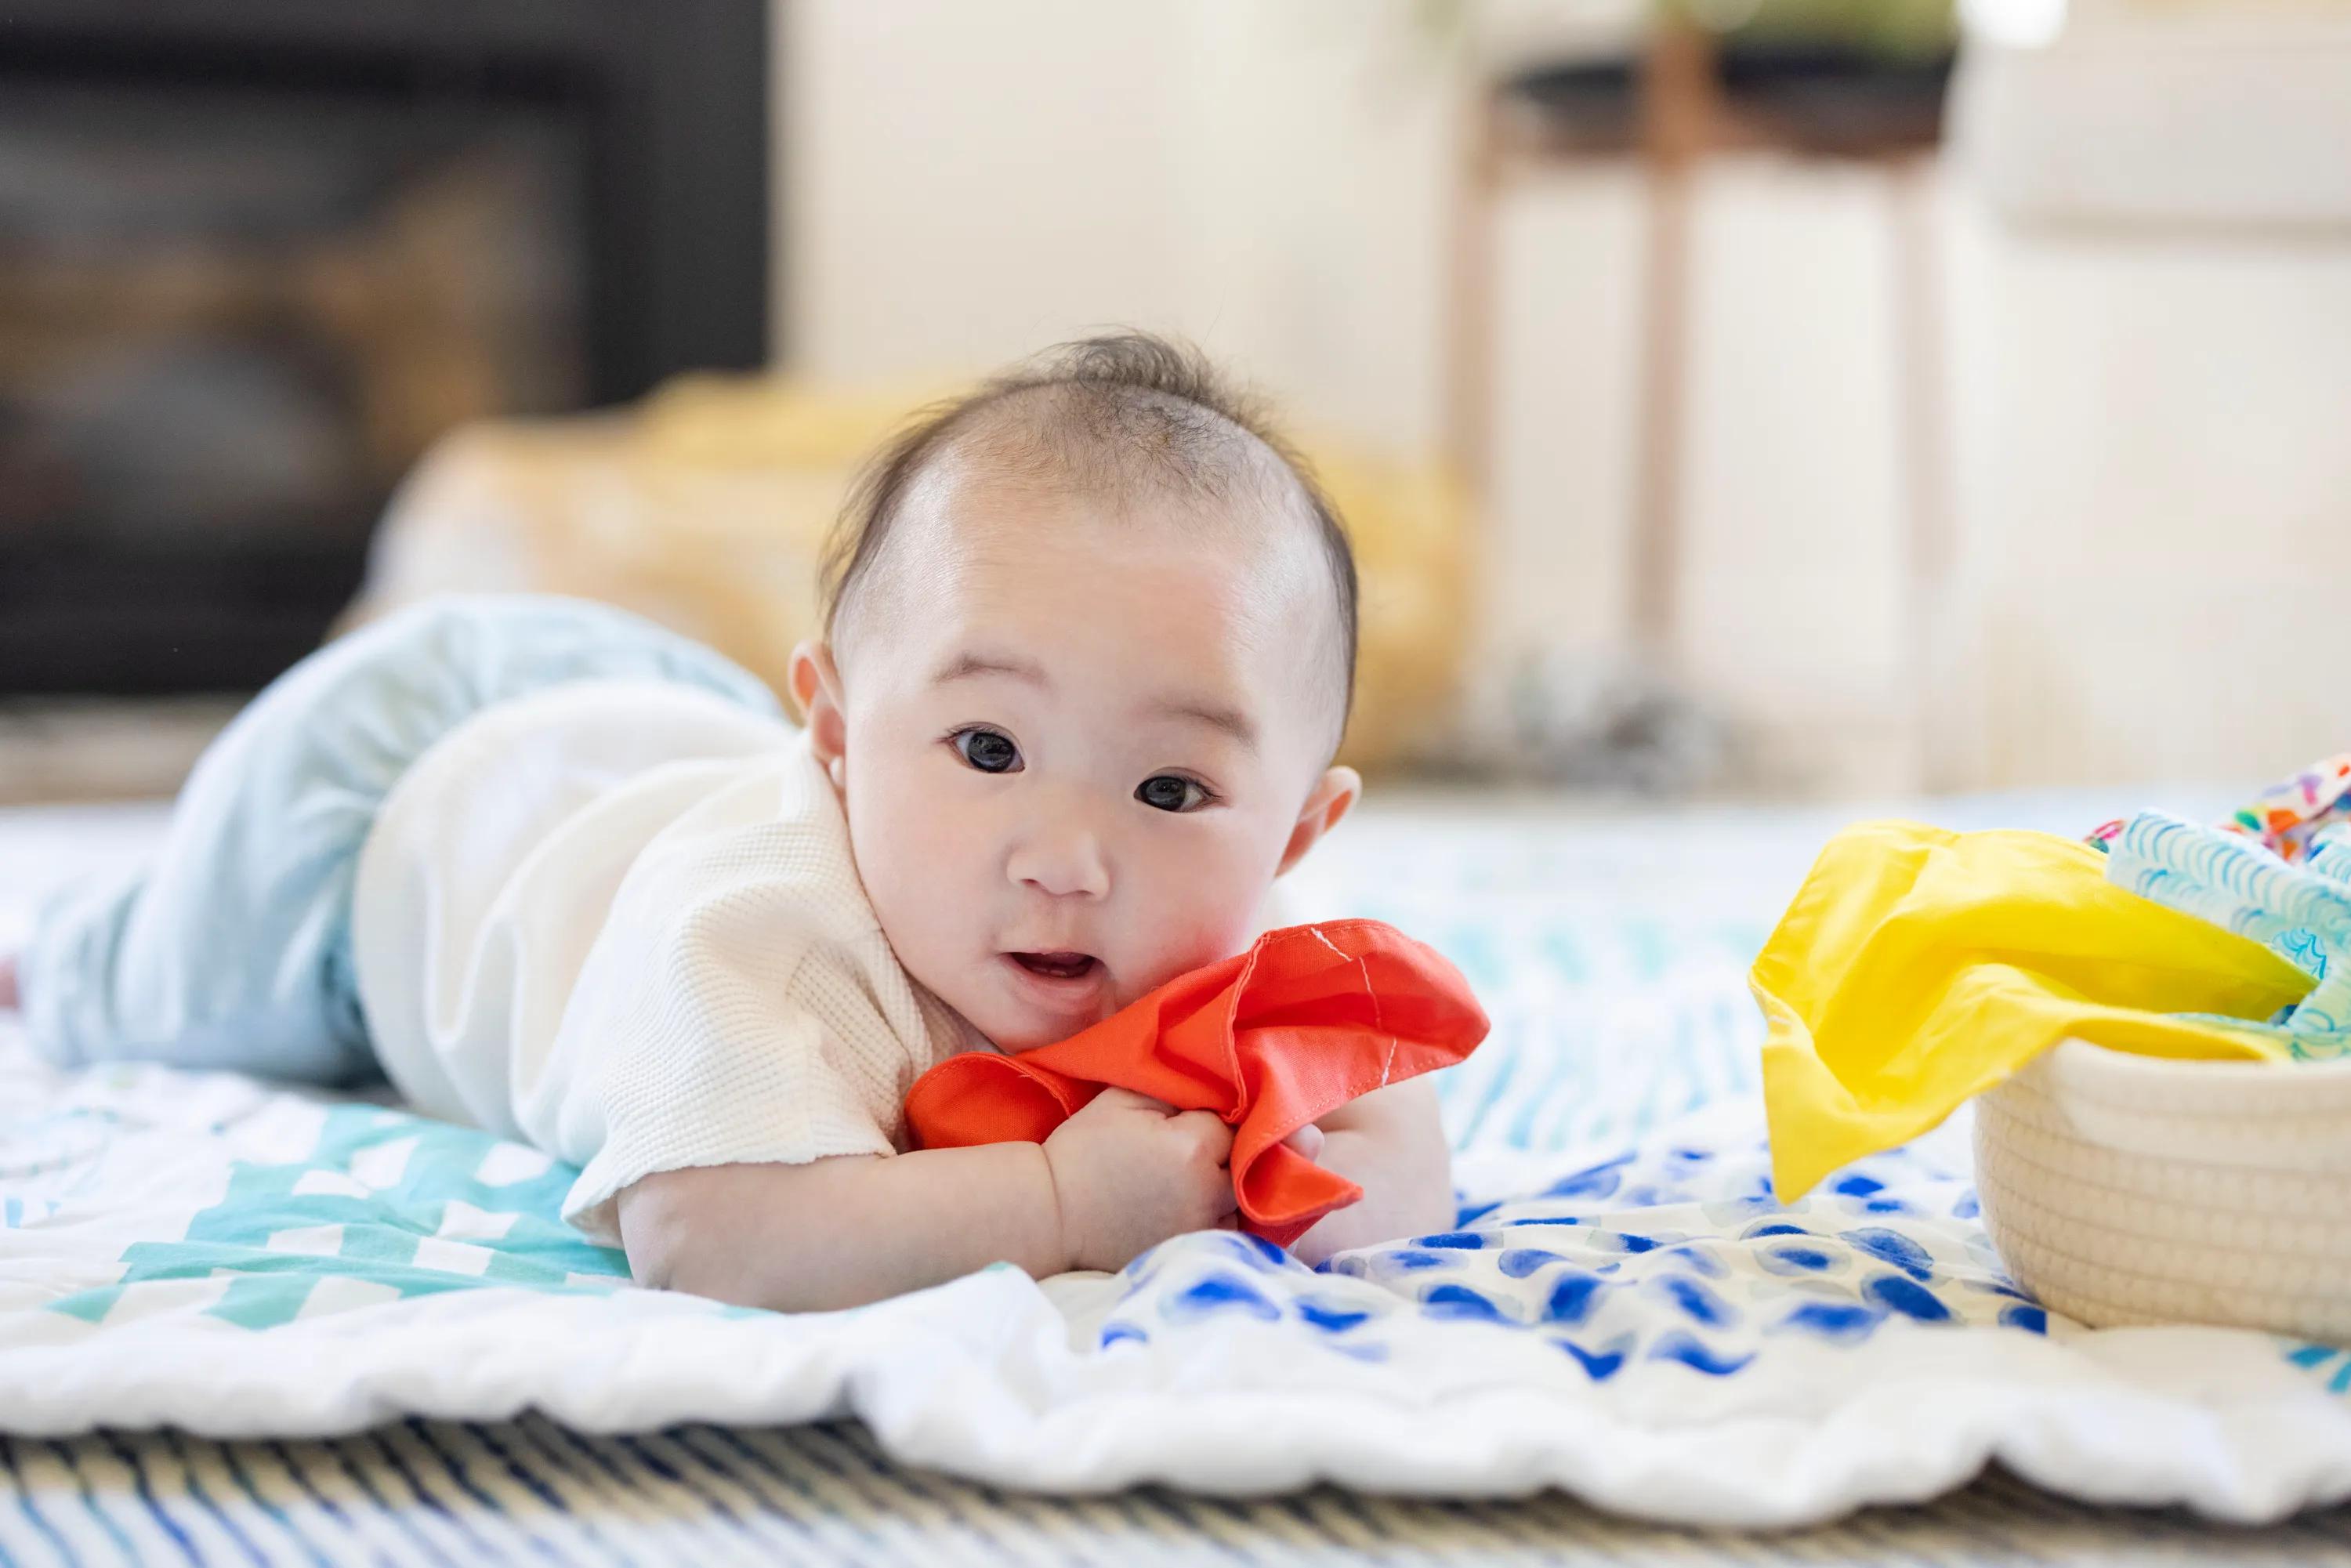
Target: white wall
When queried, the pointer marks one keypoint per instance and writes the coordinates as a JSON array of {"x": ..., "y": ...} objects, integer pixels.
[
  {"x": 2156, "y": 484},
  {"x": 962, "y": 184},
  {"x": 1795, "y": 612}
]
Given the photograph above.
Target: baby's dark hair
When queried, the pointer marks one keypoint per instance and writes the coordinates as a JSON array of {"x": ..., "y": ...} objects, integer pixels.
[{"x": 1116, "y": 412}]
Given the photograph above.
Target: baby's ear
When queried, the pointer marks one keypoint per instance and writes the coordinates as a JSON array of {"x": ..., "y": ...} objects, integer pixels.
[
  {"x": 1333, "y": 799},
  {"x": 816, "y": 699}
]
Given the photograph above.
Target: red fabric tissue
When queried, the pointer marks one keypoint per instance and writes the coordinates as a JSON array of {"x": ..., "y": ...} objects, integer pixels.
[{"x": 1306, "y": 1019}]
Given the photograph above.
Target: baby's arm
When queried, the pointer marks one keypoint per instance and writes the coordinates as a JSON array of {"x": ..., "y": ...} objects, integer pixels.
[
  {"x": 1123, "y": 1174},
  {"x": 1391, "y": 1143}
]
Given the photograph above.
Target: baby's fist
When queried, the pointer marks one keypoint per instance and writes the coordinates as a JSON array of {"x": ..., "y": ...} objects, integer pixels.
[{"x": 1130, "y": 1172}]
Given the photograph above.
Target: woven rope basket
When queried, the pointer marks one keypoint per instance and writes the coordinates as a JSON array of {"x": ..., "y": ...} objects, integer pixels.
[{"x": 2124, "y": 1189}]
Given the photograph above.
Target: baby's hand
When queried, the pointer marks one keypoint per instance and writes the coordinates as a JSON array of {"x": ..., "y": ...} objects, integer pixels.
[{"x": 1130, "y": 1171}]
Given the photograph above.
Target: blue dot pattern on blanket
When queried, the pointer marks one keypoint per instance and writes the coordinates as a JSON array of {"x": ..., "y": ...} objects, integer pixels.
[{"x": 1669, "y": 1256}]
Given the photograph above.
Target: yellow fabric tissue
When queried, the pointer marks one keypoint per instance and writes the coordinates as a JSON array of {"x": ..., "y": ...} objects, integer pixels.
[{"x": 1919, "y": 967}]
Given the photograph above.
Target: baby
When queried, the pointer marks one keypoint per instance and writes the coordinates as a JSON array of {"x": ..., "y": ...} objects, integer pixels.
[{"x": 1088, "y": 650}]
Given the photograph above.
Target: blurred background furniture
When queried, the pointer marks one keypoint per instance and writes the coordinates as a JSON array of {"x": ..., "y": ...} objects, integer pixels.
[
  {"x": 255, "y": 257},
  {"x": 1799, "y": 84},
  {"x": 1812, "y": 87}
]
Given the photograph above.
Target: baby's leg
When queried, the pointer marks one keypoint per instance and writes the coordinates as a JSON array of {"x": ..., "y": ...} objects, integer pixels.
[
  {"x": 223, "y": 951},
  {"x": 231, "y": 948}
]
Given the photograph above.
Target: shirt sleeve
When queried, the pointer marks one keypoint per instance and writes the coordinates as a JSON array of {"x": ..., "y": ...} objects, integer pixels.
[{"x": 741, "y": 1007}]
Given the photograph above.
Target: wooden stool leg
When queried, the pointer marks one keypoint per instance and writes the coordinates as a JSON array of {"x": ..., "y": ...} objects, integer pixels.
[{"x": 1679, "y": 107}]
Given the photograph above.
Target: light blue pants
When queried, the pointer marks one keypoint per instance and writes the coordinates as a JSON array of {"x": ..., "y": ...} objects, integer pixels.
[{"x": 233, "y": 949}]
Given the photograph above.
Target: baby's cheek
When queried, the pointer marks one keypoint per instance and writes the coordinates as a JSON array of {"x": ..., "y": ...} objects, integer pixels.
[
  {"x": 1206, "y": 905},
  {"x": 907, "y": 857}
]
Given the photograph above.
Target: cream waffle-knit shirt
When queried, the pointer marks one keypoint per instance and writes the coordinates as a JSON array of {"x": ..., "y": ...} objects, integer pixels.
[{"x": 620, "y": 920}]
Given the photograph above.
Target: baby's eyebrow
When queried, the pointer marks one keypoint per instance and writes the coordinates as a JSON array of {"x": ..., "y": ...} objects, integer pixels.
[
  {"x": 964, "y": 666},
  {"x": 1231, "y": 721}
]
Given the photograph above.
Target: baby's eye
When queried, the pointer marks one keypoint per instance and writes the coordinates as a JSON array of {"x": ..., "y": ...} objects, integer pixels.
[
  {"x": 1171, "y": 792},
  {"x": 986, "y": 749}
]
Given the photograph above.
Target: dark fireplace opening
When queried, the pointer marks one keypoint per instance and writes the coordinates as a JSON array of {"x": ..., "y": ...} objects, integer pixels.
[{"x": 255, "y": 257}]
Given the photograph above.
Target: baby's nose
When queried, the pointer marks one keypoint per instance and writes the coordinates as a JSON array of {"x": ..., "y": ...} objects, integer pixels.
[{"x": 1062, "y": 859}]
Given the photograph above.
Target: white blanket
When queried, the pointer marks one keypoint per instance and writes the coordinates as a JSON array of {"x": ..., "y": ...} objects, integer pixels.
[{"x": 1622, "y": 1312}]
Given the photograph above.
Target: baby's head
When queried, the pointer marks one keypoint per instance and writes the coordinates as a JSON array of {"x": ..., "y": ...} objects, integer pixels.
[{"x": 1089, "y": 647}]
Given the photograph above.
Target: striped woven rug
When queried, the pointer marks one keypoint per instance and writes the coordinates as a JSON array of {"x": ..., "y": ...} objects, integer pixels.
[{"x": 532, "y": 1492}]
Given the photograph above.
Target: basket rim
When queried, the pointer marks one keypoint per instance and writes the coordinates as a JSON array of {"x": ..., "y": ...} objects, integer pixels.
[{"x": 2131, "y": 1063}]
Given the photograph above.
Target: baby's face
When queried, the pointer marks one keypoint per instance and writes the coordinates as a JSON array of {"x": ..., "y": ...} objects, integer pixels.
[{"x": 1075, "y": 750}]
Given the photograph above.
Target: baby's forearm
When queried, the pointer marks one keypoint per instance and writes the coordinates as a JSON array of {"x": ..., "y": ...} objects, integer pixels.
[
  {"x": 1402, "y": 1196},
  {"x": 1392, "y": 1145},
  {"x": 842, "y": 1232}
]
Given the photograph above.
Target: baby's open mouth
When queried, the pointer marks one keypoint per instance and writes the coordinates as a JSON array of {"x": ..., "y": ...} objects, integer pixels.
[{"x": 1056, "y": 966}]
